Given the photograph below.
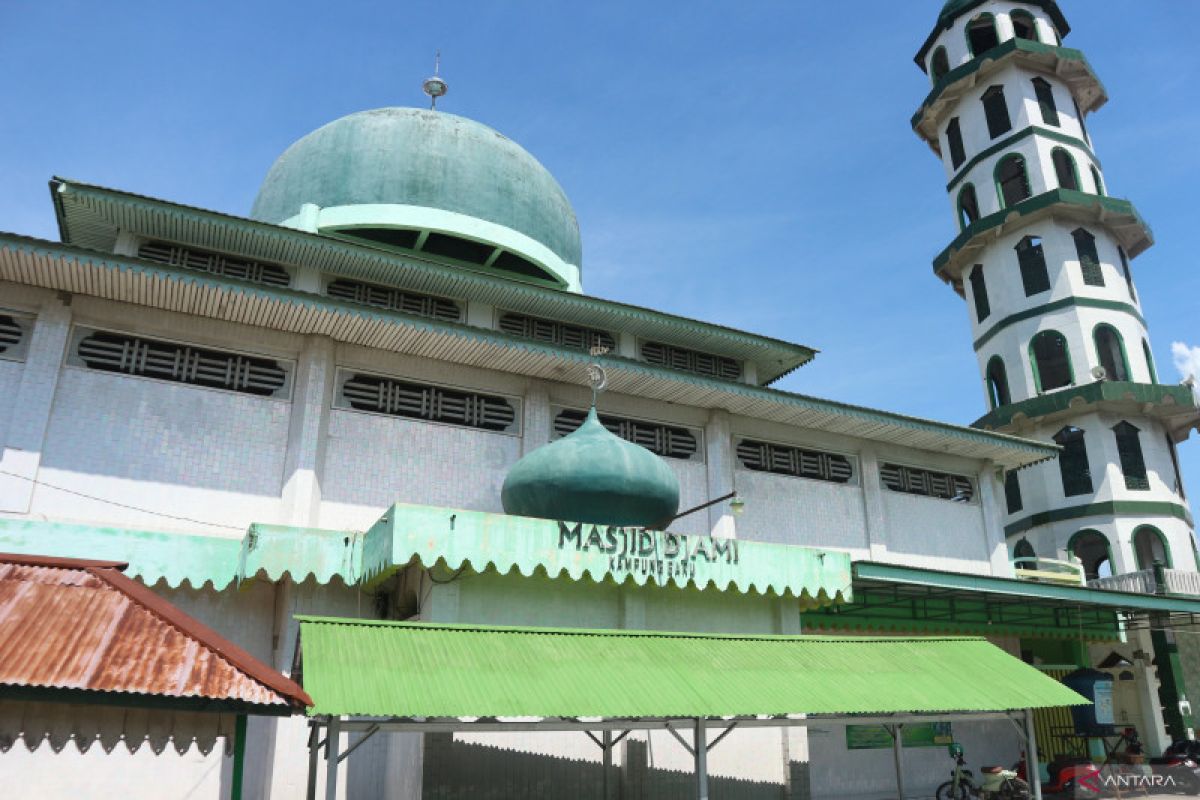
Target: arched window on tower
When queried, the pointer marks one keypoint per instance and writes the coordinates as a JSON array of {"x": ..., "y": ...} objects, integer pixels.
[
  {"x": 1133, "y": 463},
  {"x": 1012, "y": 494},
  {"x": 981, "y": 34},
  {"x": 979, "y": 293},
  {"x": 1073, "y": 462},
  {"x": 1092, "y": 550},
  {"x": 1111, "y": 349},
  {"x": 1023, "y": 548},
  {"x": 997, "y": 381},
  {"x": 995, "y": 108},
  {"x": 968, "y": 205},
  {"x": 1099, "y": 184},
  {"x": 1045, "y": 99},
  {"x": 1089, "y": 259},
  {"x": 954, "y": 139},
  {"x": 1079, "y": 117},
  {"x": 1150, "y": 547},
  {"x": 1064, "y": 169},
  {"x": 1127, "y": 273},
  {"x": 939, "y": 64},
  {"x": 1032, "y": 258},
  {"x": 1149, "y": 361},
  {"x": 1051, "y": 361},
  {"x": 1023, "y": 26},
  {"x": 1012, "y": 181}
]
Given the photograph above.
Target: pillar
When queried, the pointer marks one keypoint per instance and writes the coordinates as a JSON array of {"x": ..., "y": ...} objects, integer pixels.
[{"x": 308, "y": 432}]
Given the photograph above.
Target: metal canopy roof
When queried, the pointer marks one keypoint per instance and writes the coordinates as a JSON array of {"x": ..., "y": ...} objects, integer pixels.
[{"x": 424, "y": 671}]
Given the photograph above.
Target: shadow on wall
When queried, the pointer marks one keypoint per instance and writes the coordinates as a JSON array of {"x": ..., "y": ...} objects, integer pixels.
[{"x": 461, "y": 770}]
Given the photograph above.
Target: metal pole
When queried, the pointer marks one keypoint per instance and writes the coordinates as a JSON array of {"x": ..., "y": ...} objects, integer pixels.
[
  {"x": 239, "y": 757},
  {"x": 1033, "y": 772},
  {"x": 331, "y": 757},
  {"x": 606, "y": 738},
  {"x": 897, "y": 746},
  {"x": 701, "y": 747},
  {"x": 314, "y": 745}
]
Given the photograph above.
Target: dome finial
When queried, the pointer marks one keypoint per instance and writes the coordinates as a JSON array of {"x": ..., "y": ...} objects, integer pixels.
[
  {"x": 434, "y": 86},
  {"x": 597, "y": 377}
]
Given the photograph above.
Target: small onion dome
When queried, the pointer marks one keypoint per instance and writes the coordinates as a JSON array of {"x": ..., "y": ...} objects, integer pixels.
[{"x": 593, "y": 476}]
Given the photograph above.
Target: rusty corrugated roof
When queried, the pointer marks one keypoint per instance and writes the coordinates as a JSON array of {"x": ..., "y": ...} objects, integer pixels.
[{"x": 70, "y": 624}]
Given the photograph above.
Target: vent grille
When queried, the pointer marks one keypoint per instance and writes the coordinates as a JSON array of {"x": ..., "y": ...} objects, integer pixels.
[
  {"x": 560, "y": 333},
  {"x": 432, "y": 403},
  {"x": 11, "y": 333},
  {"x": 395, "y": 299},
  {"x": 663, "y": 440},
  {"x": 911, "y": 480},
  {"x": 666, "y": 355},
  {"x": 814, "y": 464},
  {"x": 215, "y": 263},
  {"x": 168, "y": 361}
]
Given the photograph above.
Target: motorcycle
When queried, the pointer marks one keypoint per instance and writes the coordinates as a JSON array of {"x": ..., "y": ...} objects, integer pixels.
[
  {"x": 1069, "y": 775},
  {"x": 998, "y": 783},
  {"x": 1181, "y": 767}
]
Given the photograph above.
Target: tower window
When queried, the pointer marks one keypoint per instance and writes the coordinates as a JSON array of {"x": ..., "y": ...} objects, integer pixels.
[
  {"x": 911, "y": 480},
  {"x": 1079, "y": 116},
  {"x": 427, "y": 402},
  {"x": 1023, "y": 26},
  {"x": 979, "y": 293},
  {"x": 968, "y": 205},
  {"x": 422, "y": 305},
  {"x": 1045, "y": 99},
  {"x": 1175, "y": 466},
  {"x": 1089, "y": 260},
  {"x": 1111, "y": 349},
  {"x": 1032, "y": 258},
  {"x": 801, "y": 463},
  {"x": 1051, "y": 361},
  {"x": 1012, "y": 181},
  {"x": 981, "y": 34},
  {"x": 12, "y": 337},
  {"x": 1133, "y": 463},
  {"x": 563, "y": 334},
  {"x": 668, "y": 441},
  {"x": 1064, "y": 169},
  {"x": 1093, "y": 552},
  {"x": 1149, "y": 361},
  {"x": 1012, "y": 499},
  {"x": 996, "y": 110},
  {"x": 997, "y": 380},
  {"x": 1127, "y": 273},
  {"x": 954, "y": 139},
  {"x": 1073, "y": 462},
  {"x": 939, "y": 65},
  {"x": 1096, "y": 182},
  {"x": 1150, "y": 547}
]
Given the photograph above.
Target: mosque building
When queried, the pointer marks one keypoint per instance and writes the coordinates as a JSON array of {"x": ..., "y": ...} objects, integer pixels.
[{"x": 384, "y": 396}]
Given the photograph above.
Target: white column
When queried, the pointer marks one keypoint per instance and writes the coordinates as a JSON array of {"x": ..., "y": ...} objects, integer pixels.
[
  {"x": 990, "y": 498},
  {"x": 481, "y": 315},
  {"x": 718, "y": 456},
  {"x": 312, "y": 396},
  {"x": 22, "y": 455},
  {"x": 627, "y": 345},
  {"x": 872, "y": 492},
  {"x": 535, "y": 422}
]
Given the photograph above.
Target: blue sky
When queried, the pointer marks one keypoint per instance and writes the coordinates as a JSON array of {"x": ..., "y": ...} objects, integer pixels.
[{"x": 749, "y": 164}]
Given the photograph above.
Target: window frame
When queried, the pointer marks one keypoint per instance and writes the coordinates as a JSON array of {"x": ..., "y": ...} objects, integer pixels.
[
  {"x": 994, "y": 394},
  {"x": 933, "y": 64},
  {"x": 965, "y": 220},
  {"x": 1030, "y": 19},
  {"x": 344, "y": 372},
  {"x": 1043, "y": 92},
  {"x": 1098, "y": 182},
  {"x": 1149, "y": 354},
  {"x": 1010, "y": 158},
  {"x": 979, "y": 293},
  {"x": 1127, "y": 271},
  {"x": 1075, "y": 485},
  {"x": 1014, "y": 503},
  {"x": 855, "y": 481},
  {"x": 1124, "y": 355},
  {"x": 698, "y": 456},
  {"x": 971, "y": 481},
  {"x": 18, "y": 351},
  {"x": 1133, "y": 468},
  {"x": 954, "y": 143},
  {"x": 1027, "y": 266},
  {"x": 1090, "y": 266},
  {"x": 1168, "y": 560},
  {"x": 1072, "y": 543},
  {"x": 1058, "y": 172},
  {"x": 971, "y": 23},
  {"x": 1037, "y": 367},
  {"x": 995, "y": 111}
]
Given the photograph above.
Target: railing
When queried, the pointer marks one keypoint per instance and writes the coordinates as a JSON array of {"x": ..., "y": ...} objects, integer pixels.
[
  {"x": 1144, "y": 581},
  {"x": 1048, "y": 570}
]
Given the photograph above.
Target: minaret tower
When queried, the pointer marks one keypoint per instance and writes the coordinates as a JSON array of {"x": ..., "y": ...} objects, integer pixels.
[{"x": 1042, "y": 257}]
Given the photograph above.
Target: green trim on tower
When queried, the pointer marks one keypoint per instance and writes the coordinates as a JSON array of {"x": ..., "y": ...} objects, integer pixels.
[
  {"x": 954, "y": 9},
  {"x": 1033, "y": 361},
  {"x": 1004, "y": 144},
  {"x": 1120, "y": 342},
  {"x": 1057, "y": 305},
  {"x": 1109, "y": 509},
  {"x": 1084, "y": 395},
  {"x": 1162, "y": 539}
]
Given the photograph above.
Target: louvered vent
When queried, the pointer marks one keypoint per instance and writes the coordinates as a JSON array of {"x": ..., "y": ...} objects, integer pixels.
[
  {"x": 663, "y": 440},
  {"x": 560, "y": 333},
  {"x": 814, "y": 464},
  {"x": 433, "y": 403},
  {"x": 395, "y": 299},
  {"x": 11, "y": 333},
  {"x": 215, "y": 263},
  {"x": 911, "y": 480},
  {"x": 666, "y": 355},
  {"x": 168, "y": 361}
]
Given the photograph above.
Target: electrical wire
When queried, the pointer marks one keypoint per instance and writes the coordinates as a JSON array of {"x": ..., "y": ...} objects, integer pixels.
[{"x": 118, "y": 504}]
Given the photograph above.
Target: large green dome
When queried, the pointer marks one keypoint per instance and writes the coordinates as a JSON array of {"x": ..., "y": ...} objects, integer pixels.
[
  {"x": 407, "y": 168},
  {"x": 592, "y": 475}
]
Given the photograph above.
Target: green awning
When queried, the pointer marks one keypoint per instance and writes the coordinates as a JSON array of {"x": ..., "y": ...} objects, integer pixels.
[{"x": 421, "y": 671}]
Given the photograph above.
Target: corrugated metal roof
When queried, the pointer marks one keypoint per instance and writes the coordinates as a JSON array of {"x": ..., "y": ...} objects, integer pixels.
[
  {"x": 415, "y": 670},
  {"x": 59, "y": 267},
  {"x": 68, "y": 624}
]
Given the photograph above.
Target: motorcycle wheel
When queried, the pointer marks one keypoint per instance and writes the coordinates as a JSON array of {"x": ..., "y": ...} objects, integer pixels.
[
  {"x": 1015, "y": 789},
  {"x": 946, "y": 792}
]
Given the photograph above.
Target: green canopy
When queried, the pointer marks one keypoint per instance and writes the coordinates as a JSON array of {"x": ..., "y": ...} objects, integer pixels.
[{"x": 409, "y": 670}]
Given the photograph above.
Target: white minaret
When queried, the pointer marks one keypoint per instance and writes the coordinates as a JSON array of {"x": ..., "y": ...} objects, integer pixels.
[{"x": 1042, "y": 257}]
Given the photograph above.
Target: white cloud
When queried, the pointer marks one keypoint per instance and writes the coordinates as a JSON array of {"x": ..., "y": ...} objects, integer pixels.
[{"x": 1187, "y": 361}]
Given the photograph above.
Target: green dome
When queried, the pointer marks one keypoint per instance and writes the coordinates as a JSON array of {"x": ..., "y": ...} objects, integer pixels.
[
  {"x": 408, "y": 161},
  {"x": 593, "y": 476}
]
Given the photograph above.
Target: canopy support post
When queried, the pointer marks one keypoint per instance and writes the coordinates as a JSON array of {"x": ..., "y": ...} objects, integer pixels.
[
  {"x": 239, "y": 757},
  {"x": 896, "y": 732},
  {"x": 1033, "y": 773},
  {"x": 608, "y": 746},
  {"x": 700, "y": 746},
  {"x": 314, "y": 746},
  {"x": 332, "y": 738}
]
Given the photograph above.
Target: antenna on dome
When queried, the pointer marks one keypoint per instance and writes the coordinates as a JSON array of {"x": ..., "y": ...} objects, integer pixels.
[
  {"x": 597, "y": 377},
  {"x": 434, "y": 86}
]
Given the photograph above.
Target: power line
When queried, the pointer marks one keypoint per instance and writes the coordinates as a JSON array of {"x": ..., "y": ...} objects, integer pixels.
[{"x": 139, "y": 509}]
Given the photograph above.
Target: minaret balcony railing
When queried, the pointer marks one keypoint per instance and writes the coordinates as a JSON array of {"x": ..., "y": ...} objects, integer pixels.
[{"x": 1144, "y": 581}]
